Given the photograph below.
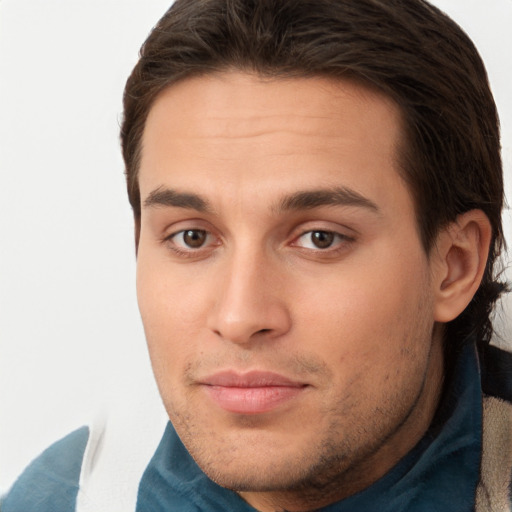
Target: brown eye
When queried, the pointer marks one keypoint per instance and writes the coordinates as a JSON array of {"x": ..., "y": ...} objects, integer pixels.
[
  {"x": 322, "y": 239},
  {"x": 194, "y": 238}
]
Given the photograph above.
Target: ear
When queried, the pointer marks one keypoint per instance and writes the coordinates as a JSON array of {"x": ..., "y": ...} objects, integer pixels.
[{"x": 458, "y": 263}]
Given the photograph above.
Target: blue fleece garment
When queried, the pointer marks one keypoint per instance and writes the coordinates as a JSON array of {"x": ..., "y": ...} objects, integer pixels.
[
  {"x": 440, "y": 474},
  {"x": 50, "y": 483}
]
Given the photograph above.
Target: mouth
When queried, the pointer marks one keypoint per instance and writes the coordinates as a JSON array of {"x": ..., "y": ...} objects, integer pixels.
[{"x": 255, "y": 392}]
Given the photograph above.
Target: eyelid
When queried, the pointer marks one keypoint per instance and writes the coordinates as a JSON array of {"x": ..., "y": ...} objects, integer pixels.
[
  {"x": 213, "y": 240},
  {"x": 327, "y": 226},
  {"x": 185, "y": 224},
  {"x": 183, "y": 232},
  {"x": 345, "y": 237},
  {"x": 341, "y": 238}
]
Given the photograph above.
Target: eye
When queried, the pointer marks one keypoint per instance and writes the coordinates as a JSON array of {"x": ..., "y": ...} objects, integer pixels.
[
  {"x": 190, "y": 238},
  {"x": 319, "y": 239}
]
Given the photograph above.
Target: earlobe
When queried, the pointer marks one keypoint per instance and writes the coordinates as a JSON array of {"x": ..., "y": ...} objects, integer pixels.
[{"x": 461, "y": 255}]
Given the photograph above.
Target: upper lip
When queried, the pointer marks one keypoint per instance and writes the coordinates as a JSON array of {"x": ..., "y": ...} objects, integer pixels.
[{"x": 252, "y": 379}]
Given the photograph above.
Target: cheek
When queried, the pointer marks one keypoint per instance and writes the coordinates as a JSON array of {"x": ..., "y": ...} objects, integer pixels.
[
  {"x": 370, "y": 315},
  {"x": 375, "y": 341},
  {"x": 169, "y": 296},
  {"x": 170, "y": 316}
]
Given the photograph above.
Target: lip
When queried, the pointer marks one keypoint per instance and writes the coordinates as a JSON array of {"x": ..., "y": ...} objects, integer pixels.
[{"x": 255, "y": 392}]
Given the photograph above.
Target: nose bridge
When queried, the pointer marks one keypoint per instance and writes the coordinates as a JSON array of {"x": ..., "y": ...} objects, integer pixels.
[{"x": 250, "y": 301}]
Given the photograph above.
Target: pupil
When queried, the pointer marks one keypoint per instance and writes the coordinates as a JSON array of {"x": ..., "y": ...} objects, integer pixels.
[
  {"x": 322, "y": 239},
  {"x": 194, "y": 238}
]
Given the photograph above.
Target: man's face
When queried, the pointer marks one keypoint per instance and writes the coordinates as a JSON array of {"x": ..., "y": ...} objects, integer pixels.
[{"x": 284, "y": 290}]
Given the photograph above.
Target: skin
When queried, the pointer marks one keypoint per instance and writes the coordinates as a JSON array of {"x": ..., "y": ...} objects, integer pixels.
[{"x": 229, "y": 278}]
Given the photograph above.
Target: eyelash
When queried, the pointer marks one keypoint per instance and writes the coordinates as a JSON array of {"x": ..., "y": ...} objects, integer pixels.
[
  {"x": 339, "y": 244},
  {"x": 186, "y": 252}
]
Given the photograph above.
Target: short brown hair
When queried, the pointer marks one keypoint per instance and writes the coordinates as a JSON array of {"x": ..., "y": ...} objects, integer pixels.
[{"x": 408, "y": 49}]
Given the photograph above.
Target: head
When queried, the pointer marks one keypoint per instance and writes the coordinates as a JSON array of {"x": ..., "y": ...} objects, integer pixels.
[
  {"x": 450, "y": 147},
  {"x": 283, "y": 242}
]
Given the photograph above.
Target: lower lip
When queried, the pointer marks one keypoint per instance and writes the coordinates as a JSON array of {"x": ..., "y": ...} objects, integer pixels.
[{"x": 255, "y": 400}]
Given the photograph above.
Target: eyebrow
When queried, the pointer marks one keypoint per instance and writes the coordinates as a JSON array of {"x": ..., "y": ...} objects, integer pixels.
[
  {"x": 337, "y": 196},
  {"x": 168, "y": 197},
  {"x": 301, "y": 200}
]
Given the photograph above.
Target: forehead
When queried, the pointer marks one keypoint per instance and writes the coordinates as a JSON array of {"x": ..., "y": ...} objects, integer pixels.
[
  {"x": 205, "y": 103},
  {"x": 237, "y": 126}
]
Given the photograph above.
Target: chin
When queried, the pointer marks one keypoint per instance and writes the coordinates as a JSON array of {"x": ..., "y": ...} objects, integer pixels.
[
  {"x": 263, "y": 477},
  {"x": 266, "y": 462}
]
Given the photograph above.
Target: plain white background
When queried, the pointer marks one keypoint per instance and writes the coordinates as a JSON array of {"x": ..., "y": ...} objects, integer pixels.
[{"x": 70, "y": 334}]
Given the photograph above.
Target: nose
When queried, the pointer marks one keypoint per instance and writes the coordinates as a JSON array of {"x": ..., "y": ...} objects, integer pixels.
[{"x": 250, "y": 303}]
